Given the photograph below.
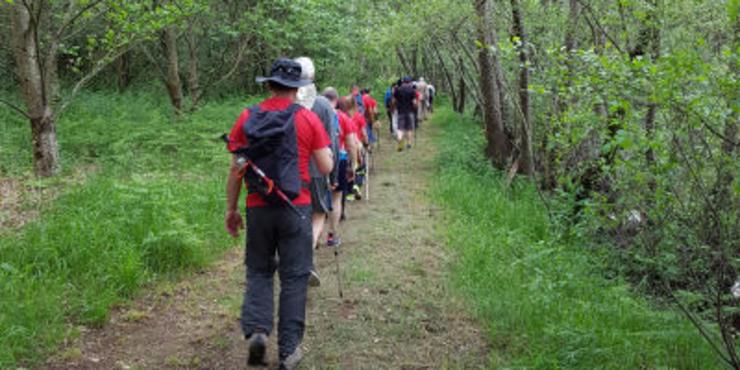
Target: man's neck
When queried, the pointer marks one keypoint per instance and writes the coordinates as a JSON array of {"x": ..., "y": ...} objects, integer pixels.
[{"x": 292, "y": 95}]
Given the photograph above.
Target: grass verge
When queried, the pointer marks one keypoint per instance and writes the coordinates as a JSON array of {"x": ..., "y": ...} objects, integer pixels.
[
  {"x": 151, "y": 208},
  {"x": 543, "y": 300}
]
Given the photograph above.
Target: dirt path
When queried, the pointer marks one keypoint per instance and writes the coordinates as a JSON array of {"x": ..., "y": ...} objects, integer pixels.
[{"x": 398, "y": 310}]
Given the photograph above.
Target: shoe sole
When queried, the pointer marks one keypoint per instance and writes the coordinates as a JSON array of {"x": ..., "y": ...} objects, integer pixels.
[
  {"x": 313, "y": 280},
  {"x": 257, "y": 351}
]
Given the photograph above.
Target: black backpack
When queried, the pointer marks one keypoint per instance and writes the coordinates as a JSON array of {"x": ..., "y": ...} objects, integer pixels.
[{"x": 273, "y": 148}]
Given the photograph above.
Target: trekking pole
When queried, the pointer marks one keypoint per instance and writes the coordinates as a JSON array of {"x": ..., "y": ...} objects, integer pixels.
[
  {"x": 271, "y": 187},
  {"x": 368, "y": 162},
  {"x": 339, "y": 277}
]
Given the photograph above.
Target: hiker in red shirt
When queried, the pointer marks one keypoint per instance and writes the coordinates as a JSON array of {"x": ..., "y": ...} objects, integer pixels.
[
  {"x": 347, "y": 157},
  {"x": 350, "y": 108},
  {"x": 278, "y": 137},
  {"x": 371, "y": 113}
]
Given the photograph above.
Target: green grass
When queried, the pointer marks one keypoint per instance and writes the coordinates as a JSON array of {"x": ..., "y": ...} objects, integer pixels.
[
  {"x": 544, "y": 301},
  {"x": 151, "y": 207}
]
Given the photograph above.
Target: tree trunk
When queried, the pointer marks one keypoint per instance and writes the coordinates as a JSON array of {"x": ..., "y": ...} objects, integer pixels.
[
  {"x": 462, "y": 88},
  {"x": 446, "y": 73},
  {"x": 570, "y": 40},
  {"x": 496, "y": 148},
  {"x": 415, "y": 62},
  {"x": 193, "y": 86},
  {"x": 526, "y": 162},
  {"x": 37, "y": 84},
  {"x": 45, "y": 147},
  {"x": 123, "y": 67},
  {"x": 651, "y": 40},
  {"x": 172, "y": 78},
  {"x": 402, "y": 59}
]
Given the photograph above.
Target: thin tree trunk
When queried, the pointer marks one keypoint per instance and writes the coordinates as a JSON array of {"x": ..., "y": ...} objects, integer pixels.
[
  {"x": 651, "y": 40},
  {"x": 36, "y": 90},
  {"x": 462, "y": 88},
  {"x": 403, "y": 60},
  {"x": 496, "y": 148},
  {"x": 193, "y": 86},
  {"x": 415, "y": 61},
  {"x": 527, "y": 162},
  {"x": 123, "y": 67},
  {"x": 446, "y": 73},
  {"x": 573, "y": 11},
  {"x": 172, "y": 77}
]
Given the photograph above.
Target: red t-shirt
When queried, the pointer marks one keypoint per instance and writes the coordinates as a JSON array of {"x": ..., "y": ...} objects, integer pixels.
[
  {"x": 310, "y": 135},
  {"x": 360, "y": 123},
  {"x": 346, "y": 127},
  {"x": 370, "y": 103}
]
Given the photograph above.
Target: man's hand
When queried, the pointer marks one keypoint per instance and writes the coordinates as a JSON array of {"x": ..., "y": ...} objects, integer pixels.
[
  {"x": 350, "y": 175},
  {"x": 234, "y": 223}
]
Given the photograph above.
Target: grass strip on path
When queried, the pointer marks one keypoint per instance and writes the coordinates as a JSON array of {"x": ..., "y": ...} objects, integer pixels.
[{"x": 542, "y": 300}]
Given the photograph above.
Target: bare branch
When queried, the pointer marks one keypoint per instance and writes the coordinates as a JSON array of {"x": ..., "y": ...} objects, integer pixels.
[
  {"x": 698, "y": 325},
  {"x": 598, "y": 25},
  {"x": 102, "y": 63},
  {"x": 73, "y": 18},
  {"x": 15, "y": 108},
  {"x": 240, "y": 55},
  {"x": 154, "y": 61}
]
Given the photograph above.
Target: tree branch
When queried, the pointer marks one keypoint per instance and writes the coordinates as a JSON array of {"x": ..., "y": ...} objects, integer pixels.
[
  {"x": 698, "y": 325},
  {"x": 234, "y": 67},
  {"x": 73, "y": 18},
  {"x": 598, "y": 25},
  {"x": 15, "y": 108},
  {"x": 102, "y": 63}
]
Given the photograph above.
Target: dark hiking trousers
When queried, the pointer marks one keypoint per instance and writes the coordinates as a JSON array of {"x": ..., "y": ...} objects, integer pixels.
[
  {"x": 270, "y": 230},
  {"x": 390, "y": 120}
]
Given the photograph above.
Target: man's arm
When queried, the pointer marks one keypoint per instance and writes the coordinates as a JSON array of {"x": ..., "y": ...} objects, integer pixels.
[
  {"x": 350, "y": 141},
  {"x": 233, "y": 219},
  {"x": 324, "y": 160}
]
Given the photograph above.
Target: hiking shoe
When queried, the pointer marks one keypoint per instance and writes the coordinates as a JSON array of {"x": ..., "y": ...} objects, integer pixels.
[
  {"x": 408, "y": 146},
  {"x": 291, "y": 362},
  {"x": 333, "y": 242},
  {"x": 257, "y": 344},
  {"x": 313, "y": 279},
  {"x": 400, "y": 146},
  {"x": 357, "y": 192}
]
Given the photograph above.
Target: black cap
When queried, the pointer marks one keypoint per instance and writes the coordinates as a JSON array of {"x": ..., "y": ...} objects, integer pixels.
[{"x": 285, "y": 72}]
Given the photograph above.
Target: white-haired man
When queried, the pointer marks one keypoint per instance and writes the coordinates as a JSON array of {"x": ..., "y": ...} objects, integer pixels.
[{"x": 321, "y": 197}]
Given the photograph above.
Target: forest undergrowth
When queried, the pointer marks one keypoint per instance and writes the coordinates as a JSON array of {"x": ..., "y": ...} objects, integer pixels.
[
  {"x": 542, "y": 293},
  {"x": 149, "y": 208}
]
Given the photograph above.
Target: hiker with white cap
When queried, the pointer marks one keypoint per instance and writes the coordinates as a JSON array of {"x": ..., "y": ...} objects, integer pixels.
[{"x": 321, "y": 197}]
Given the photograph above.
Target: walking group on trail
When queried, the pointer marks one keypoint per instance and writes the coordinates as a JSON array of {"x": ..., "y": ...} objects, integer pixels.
[
  {"x": 408, "y": 102},
  {"x": 302, "y": 156}
]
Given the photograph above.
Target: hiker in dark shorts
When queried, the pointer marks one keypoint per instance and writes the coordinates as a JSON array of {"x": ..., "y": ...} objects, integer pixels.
[
  {"x": 321, "y": 201},
  {"x": 280, "y": 137},
  {"x": 406, "y": 105}
]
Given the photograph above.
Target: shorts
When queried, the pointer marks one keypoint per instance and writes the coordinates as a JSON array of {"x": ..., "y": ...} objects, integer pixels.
[
  {"x": 406, "y": 121},
  {"x": 342, "y": 183},
  {"x": 319, "y": 195}
]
